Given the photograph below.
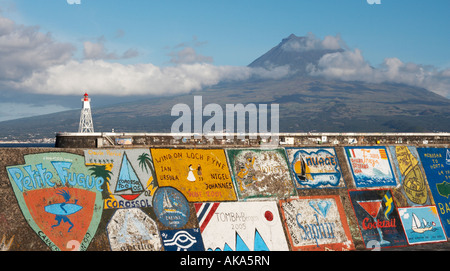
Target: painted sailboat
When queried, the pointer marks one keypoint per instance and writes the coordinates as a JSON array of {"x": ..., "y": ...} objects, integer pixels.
[
  {"x": 167, "y": 205},
  {"x": 420, "y": 227},
  {"x": 302, "y": 170},
  {"x": 170, "y": 206},
  {"x": 128, "y": 181}
]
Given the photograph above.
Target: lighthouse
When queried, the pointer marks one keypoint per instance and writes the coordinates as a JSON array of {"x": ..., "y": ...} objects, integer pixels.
[{"x": 86, "y": 124}]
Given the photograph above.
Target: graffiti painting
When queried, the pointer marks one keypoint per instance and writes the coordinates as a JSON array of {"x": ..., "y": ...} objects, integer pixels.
[
  {"x": 129, "y": 174},
  {"x": 409, "y": 169},
  {"x": 315, "y": 167},
  {"x": 243, "y": 226},
  {"x": 316, "y": 223},
  {"x": 200, "y": 174},
  {"x": 378, "y": 218},
  {"x": 260, "y": 173},
  {"x": 436, "y": 163},
  {"x": 182, "y": 240},
  {"x": 133, "y": 230},
  {"x": 422, "y": 225},
  {"x": 171, "y": 207},
  {"x": 371, "y": 166},
  {"x": 63, "y": 210},
  {"x": 60, "y": 198}
]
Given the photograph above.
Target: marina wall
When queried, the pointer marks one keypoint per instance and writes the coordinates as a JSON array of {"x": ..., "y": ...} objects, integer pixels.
[
  {"x": 320, "y": 196},
  {"x": 229, "y": 140}
]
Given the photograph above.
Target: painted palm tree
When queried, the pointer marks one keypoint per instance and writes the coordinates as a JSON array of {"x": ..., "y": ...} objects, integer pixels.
[
  {"x": 145, "y": 162},
  {"x": 101, "y": 171}
]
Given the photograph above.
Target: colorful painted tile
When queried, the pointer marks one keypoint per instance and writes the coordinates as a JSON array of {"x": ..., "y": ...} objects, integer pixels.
[
  {"x": 260, "y": 173},
  {"x": 60, "y": 198},
  {"x": 409, "y": 169},
  {"x": 200, "y": 174},
  {"x": 370, "y": 166},
  {"x": 182, "y": 240},
  {"x": 422, "y": 225},
  {"x": 436, "y": 163},
  {"x": 133, "y": 230},
  {"x": 241, "y": 226},
  {"x": 378, "y": 219},
  {"x": 316, "y": 223},
  {"x": 130, "y": 175},
  {"x": 171, "y": 207},
  {"x": 315, "y": 167}
]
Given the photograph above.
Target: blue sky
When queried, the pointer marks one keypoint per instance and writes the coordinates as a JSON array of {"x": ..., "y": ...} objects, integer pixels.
[
  {"x": 173, "y": 46},
  {"x": 237, "y": 32}
]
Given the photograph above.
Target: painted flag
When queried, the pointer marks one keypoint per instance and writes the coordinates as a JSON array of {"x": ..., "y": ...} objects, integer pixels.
[
  {"x": 350, "y": 153},
  {"x": 205, "y": 211}
]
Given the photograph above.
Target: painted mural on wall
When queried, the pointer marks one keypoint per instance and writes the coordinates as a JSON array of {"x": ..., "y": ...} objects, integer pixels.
[
  {"x": 171, "y": 207},
  {"x": 200, "y": 174},
  {"x": 315, "y": 167},
  {"x": 436, "y": 163},
  {"x": 129, "y": 174},
  {"x": 131, "y": 229},
  {"x": 241, "y": 226},
  {"x": 182, "y": 240},
  {"x": 316, "y": 223},
  {"x": 370, "y": 166},
  {"x": 422, "y": 225},
  {"x": 60, "y": 198},
  {"x": 378, "y": 218},
  {"x": 409, "y": 169},
  {"x": 64, "y": 197},
  {"x": 259, "y": 173}
]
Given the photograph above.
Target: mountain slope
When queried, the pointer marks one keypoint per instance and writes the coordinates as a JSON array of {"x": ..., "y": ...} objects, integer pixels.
[
  {"x": 295, "y": 52},
  {"x": 306, "y": 104}
]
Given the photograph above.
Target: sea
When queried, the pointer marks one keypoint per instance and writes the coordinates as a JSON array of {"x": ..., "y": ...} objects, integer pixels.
[{"x": 27, "y": 145}]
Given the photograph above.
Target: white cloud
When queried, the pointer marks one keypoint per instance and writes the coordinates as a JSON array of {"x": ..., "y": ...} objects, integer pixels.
[
  {"x": 332, "y": 43},
  {"x": 24, "y": 50},
  {"x": 429, "y": 77},
  {"x": 347, "y": 65},
  {"x": 403, "y": 213},
  {"x": 93, "y": 50},
  {"x": 271, "y": 73},
  {"x": 101, "y": 77},
  {"x": 31, "y": 61},
  {"x": 311, "y": 42},
  {"x": 188, "y": 55},
  {"x": 115, "y": 79},
  {"x": 97, "y": 50},
  {"x": 185, "y": 53},
  {"x": 351, "y": 66}
]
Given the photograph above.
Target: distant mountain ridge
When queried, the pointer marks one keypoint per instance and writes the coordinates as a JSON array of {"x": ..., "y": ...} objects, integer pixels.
[{"x": 306, "y": 103}]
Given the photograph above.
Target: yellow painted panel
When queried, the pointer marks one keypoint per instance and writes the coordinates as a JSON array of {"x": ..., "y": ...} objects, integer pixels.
[{"x": 200, "y": 174}]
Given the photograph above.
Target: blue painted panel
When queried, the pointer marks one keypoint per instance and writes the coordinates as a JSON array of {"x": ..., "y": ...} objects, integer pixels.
[{"x": 436, "y": 163}]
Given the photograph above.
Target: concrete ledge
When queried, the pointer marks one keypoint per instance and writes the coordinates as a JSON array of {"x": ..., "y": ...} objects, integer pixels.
[{"x": 118, "y": 140}]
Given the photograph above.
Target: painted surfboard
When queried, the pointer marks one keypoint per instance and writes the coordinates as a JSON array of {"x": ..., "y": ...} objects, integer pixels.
[{"x": 62, "y": 209}]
